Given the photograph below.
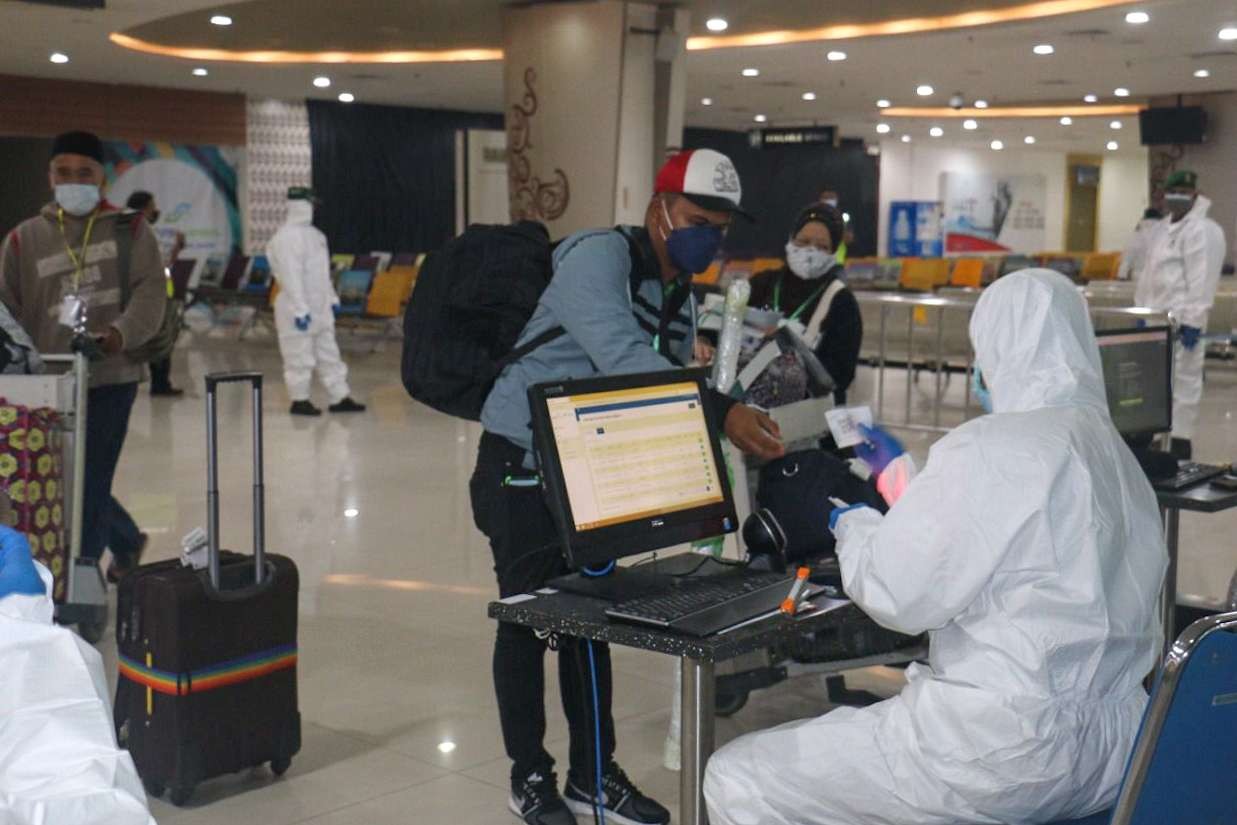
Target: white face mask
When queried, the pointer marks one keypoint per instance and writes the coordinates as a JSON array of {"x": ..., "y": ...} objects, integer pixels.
[
  {"x": 77, "y": 199},
  {"x": 808, "y": 262}
]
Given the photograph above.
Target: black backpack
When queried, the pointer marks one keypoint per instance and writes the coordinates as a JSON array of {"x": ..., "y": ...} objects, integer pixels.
[{"x": 473, "y": 299}]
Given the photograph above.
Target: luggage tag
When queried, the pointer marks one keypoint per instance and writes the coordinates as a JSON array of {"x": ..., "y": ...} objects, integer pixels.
[
  {"x": 73, "y": 312},
  {"x": 844, "y": 424}
]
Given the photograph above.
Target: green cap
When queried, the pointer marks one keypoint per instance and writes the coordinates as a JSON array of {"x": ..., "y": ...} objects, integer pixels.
[
  {"x": 302, "y": 193},
  {"x": 1182, "y": 178}
]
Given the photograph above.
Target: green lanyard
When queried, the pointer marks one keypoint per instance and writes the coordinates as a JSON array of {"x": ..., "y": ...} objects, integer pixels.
[{"x": 777, "y": 298}]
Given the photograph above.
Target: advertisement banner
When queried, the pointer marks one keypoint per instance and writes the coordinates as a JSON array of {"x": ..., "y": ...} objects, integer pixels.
[
  {"x": 915, "y": 229},
  {"x": 991, "y": 213},
  {"x": 194, "y": 188}
]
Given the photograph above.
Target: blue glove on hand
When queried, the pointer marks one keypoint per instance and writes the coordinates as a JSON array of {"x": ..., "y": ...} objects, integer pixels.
[
  {"x": 302, "y": 323},
  {"x": 837, "y": 514},
  {"x": 878, "y": 448},
  {"x": 17, "y": 570},
  {"x": 1189, "y": 336},
  {"x": 335, "y": 309}
]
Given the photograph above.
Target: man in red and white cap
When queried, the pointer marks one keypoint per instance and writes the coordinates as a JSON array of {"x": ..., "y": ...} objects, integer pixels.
[{"x": 620, "y": 302}]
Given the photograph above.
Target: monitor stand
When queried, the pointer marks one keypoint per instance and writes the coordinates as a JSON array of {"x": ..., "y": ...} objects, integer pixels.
[{"x": 647, "y": 579}]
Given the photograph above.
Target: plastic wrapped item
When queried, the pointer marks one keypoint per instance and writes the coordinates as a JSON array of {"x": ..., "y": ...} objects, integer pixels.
[{"x": 726, "y": 362}]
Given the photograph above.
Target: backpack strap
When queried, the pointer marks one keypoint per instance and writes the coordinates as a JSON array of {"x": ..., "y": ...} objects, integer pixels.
[
  {"x": 812, "y": 337},
  {"x": 126, "y": 225}
]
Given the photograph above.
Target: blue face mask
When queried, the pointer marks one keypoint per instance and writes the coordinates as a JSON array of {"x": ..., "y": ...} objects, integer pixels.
[
  {"x": 78, "y": 199},
  {"x": 692, "y": 248},
  {"x": 981, "y": 391}
]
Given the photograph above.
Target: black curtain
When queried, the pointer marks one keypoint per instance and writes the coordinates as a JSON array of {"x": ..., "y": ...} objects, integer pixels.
[
  {"x": 386, "y": 174},
  {"x": 779, "y": 181},
  {"x": 23, "y": 170}
]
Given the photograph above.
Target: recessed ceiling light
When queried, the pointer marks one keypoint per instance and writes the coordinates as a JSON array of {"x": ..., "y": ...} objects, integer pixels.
[
  {"x": 997, "y": 145},
  {"x": 446, "y": 747},
  {"x": 1113, "y": 146},
  {"x": 1044, "y": 48},
  {"x": 351, "y": 512},
  {"x": 1029, "y": 140},
  {"x": 1066, "y": 121},
  {"x": 836, "y": 56},
  {"x": 882, "y": 128},
  {"x": 1202, "y": 73},
  {"x": 58, "y": 57},
  {"x": 1121, "y": 92},
  {"x": 200, "y": 72},
  {"x": 925, "y": 90},
  {"x": 760, "y": 118},
  {"x": 716, "y": 24},
  {"x": 706, "y": 101},
  {"x": 970, "y": 125},
  {"x": 906, "y": 138},
  {"x": 981, "y": 104},
  {"x": 322, "y": 81},
  {"x": 1137, "y": 18},
  {"x": 1116, "y": 124},
  {"x": 809, "y": 95},
  {"x": 1090, "y": 99},
  {"x": 883, "y": 104},
  {"x": 936, "y": 131},
  {"x": 346, "y": 97},
  {"x": 1228, "y": 33},
  {"x": 749, "y": 72},
  {"x": 221, "y": 20}
]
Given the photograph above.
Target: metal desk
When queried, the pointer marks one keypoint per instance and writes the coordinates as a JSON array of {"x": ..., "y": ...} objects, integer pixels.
[
  {"x": 584, "y": 617},
  {"x": 1201, "y": 498}
]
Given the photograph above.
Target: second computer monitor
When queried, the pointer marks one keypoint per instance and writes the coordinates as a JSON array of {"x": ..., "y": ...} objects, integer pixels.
[
  {"x": 1138, "y": 379},
  {"x": 631, "y": 464}
]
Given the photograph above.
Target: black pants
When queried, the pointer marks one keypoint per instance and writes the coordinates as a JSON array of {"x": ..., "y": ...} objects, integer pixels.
[
  {"x": 104, "y": 521},
  {"x": 527, "y": 553},
  {"x": 161, "y": 375}
]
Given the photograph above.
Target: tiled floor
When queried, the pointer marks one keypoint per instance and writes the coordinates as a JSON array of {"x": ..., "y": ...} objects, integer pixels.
[{"x": 399, "y": 718}]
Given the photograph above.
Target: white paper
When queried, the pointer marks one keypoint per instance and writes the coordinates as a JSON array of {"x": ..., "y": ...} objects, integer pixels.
[
  {"x": 766, "y": 356},
  {"x": 844, "y": 424}
]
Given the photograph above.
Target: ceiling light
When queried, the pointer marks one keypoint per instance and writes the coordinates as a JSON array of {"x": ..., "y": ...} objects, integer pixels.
[
  {"x": 809, "y": 95},
  {"x": 446, "y": 747},
  {"x": 351, "y": 512},
  {"x": 1116, "y": 124},
  {"x": 1066, "y": 121},
  {"x": 997, "y": 145},
  {"x": 883, "y": 104},
  {"x": 936, "y": 131},
  {"x": 760, "y": 118},
  {"x": 706, "y": 101},
  {"x": 1121, "y": 92},
  {"x": 925, "y": 90},
  {"x": 1044, "y": 48},
  {"x": 1228, "y": 33},
  {"x": 750, "y": 72},
  {"x": 716, "y": 24},
  {"x": 1029, "y": 140},
  {"x": 200, "y": 72},
  {"x": 58, "y": 57},
  {"x": 836, "y": 56},
  {"x": 883, "y": 128},
  {"x": 1137, "y": 18},
  {"x": 1113, "y": 146},
  {"x": 346, "y": 97},
  {"x": 970, "y": 125},
  {"x": 221, "y": 20},
  {"x": 981, "y": 104},
  {"x": 906, "y": 138},
  {"x": 1202, "y": 73},
  {"x": 1090, "y": 99},
  {"x": 322, "y": 81}
]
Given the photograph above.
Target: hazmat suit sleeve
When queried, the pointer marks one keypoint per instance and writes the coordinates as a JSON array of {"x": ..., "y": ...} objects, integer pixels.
[
  {"x": 924, "y": 562},
  {"x": 287, "y": 254},
  {"x": 1204, "y": 258}
]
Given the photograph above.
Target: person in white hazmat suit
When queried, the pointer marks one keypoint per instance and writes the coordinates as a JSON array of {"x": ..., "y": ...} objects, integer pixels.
[
  {"x": 59, "y": 762},
  {"x": 1134, "y": 256},
  {"x": 305, "y": 309},
  {"x": 1180, "y": 276},
  {"x": 1030, "y": 549}
]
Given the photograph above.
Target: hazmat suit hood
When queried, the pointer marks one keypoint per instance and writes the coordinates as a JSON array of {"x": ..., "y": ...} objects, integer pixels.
[
  {"x": 300, "y": 213},
  {"x": 1035, "y": 345},
  {"x": 1200, "y": 209}
]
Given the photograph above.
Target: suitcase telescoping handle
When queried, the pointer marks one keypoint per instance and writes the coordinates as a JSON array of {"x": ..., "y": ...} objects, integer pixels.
[{"x": 212, "y": 473}]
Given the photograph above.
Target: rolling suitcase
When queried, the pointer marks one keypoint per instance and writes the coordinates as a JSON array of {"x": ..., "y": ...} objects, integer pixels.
[{"x": 208, "y": 657}]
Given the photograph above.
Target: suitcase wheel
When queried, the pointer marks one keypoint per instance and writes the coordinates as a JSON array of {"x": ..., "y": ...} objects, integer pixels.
[
  {"x": 153, "y": 789},
  {"x": 180, "y": 794},
  {"x": 280, "y": 766}
]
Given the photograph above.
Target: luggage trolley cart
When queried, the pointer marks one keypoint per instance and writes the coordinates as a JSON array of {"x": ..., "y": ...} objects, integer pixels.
[{"x": 63, "y": 388}]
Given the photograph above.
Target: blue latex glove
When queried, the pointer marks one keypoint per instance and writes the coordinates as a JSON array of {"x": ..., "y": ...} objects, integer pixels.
[
  {"x": 1189, "y": 336},
  {"x": 879, "y": 448},
  {"x": 302, "y": 323},
  {"x": 17, "y": 571},
  {"x": 335, "y": 309},
  {"x": 838, "y": 511}
]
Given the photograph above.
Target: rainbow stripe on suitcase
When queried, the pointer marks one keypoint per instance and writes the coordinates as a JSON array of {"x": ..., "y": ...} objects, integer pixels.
[{"x": 231, "y": 672}]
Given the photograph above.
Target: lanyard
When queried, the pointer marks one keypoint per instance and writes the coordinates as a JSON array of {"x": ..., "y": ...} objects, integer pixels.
[
  {"x": 777, "y": 299},
  {"x": 78, "y": 259}
]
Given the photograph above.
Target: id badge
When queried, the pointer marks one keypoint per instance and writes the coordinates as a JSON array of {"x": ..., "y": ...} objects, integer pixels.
[{"x": 72, "y": 311}]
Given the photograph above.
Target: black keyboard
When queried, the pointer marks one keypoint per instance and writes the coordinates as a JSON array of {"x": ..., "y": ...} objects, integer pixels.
[
  {"x": 1188, "y": 474},
  {"x": 704, "y": 605}
]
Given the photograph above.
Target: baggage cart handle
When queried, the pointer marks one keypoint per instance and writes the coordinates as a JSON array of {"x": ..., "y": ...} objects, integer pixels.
[{"x": 212, "y": 474}]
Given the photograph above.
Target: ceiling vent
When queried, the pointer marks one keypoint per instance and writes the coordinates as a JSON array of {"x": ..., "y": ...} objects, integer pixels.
[
  {"x": 1092, "y": 33},
  {"x": 1055, "y": 82},
  {"x": 69, "y": 4}
]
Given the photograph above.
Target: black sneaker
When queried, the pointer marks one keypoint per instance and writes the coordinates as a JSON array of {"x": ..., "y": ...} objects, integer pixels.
[
  {"x": 304, "y": 408},
  {"x": 625, "y": 805},
  {"x": 347, "y": 406},
  {"x": 535, "y": 800}
]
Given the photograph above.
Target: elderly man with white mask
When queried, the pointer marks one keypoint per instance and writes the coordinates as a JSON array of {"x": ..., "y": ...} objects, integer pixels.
[{"x": 1030, "y": 550}]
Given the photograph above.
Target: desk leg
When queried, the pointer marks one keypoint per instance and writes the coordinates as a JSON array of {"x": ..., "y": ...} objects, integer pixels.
[
  {"x": 1168, "y": 597},
  {"x": 697, "y": 739}
]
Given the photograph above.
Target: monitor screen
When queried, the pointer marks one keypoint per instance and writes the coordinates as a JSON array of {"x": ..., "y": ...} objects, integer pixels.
[
  {"x": 1138, "y": 378},
  {"x": 631, "y": 463},
  {"x": 1172, "y": 125}
]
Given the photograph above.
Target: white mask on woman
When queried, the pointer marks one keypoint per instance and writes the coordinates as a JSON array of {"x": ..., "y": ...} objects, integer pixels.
[{"x": 808, "y": 262}]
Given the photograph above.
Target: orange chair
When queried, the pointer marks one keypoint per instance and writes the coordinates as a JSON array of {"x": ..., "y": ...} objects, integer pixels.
[
  {"x": 1101, "y": 266},
  {"x": 386, "y": 294},
  {"x": 967, "y": 272},
  {"x": 710, "y": 275},
  {"x": 764, "y": 264},
  {"x": 924, "y": 274}
]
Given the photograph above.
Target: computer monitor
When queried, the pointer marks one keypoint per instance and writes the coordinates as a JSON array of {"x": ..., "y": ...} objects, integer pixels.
[
  {"x": 630, "y": 464},
  {"x": 1138, "y": 368}
]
